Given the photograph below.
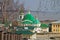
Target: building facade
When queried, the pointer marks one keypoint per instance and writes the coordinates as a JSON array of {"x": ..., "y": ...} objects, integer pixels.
[{"x": 55, "y": 27}]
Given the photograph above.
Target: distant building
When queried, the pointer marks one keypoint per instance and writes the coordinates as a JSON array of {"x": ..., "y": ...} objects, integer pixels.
[
  {"x": 55, "y": 27},
  {"x": 47, "y": 21}
]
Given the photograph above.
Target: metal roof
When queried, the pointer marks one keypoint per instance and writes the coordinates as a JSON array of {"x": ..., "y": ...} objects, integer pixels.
[{"x": 56, "y": 22}]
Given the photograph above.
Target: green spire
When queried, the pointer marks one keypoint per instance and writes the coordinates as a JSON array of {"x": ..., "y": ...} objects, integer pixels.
[{"x": 29, "y": 12}]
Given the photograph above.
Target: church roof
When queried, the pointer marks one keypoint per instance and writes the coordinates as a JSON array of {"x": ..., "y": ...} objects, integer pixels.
[
  {"x": 28, "y": 18},
  {"x": 24, "y": 32},
  {"x": 36, "y": 21},
  {"x": 27, "y": 22}
]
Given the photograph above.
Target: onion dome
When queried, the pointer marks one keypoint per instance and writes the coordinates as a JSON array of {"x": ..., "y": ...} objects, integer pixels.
[{"x": 28, "y": 19}]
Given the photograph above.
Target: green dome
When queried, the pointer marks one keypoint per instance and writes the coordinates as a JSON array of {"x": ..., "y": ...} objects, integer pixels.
[
  {"x": 28, "y": 18},
  {"x": 44, "y": 26},
  {"x": 27, "y": 22}
]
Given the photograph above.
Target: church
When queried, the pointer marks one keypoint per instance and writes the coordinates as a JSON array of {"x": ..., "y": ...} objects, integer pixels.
[{"x": 27, "y": 26}]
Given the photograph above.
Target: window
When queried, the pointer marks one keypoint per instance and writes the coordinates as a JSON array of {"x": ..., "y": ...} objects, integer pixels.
[
  {"x": 54, "y": 25},
  {"x": 54, "y": 30},
  {"x": 20, "y": 16},
  {"x": 58, "y": 26}
]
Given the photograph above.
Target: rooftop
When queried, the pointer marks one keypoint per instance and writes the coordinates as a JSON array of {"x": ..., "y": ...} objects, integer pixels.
[{"x": 56, "y": 22}]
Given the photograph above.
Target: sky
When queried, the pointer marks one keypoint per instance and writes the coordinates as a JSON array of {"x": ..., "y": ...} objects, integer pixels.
[
  {"x": 43, "y": 5},
  {"x": 31, "y": 4},
  {"x": 49, "y": 9}
]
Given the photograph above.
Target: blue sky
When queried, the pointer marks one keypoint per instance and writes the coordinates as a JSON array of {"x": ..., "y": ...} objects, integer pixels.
[{"x": 52, "y": 7}]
